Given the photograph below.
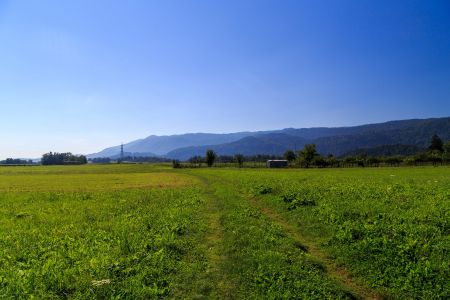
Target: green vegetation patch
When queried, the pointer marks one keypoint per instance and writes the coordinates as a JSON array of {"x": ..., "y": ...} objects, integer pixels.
[
  {"x": 92, "y": 182},
  {"x": 389, "y": 226},
  {"x": 147, "y": 231},
  {"x": 132, "y": 243}
]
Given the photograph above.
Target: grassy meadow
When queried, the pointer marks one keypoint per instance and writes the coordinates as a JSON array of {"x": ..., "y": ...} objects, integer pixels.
[{"x": 148, "y": 231}]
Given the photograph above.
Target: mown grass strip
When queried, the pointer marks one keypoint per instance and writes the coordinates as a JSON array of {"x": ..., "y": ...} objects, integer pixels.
[
  {"x": 262, "y": 261},
  {"x": 216, "y": 283},
  {"x": 92, "y": 182}
]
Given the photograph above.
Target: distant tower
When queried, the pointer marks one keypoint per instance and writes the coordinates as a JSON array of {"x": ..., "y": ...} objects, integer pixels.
[{"x": 121, "y": 152}]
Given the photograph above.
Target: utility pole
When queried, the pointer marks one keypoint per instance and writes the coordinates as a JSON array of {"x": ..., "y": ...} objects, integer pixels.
[{"x": 121, "y": 152}]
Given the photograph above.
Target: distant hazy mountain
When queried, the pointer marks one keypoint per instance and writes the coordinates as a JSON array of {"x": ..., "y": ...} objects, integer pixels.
[
  {"x": 135, "y": 154},
  {"x": 271, "y": 143},
  {"x": 160, "y": 145},
  {"x": 338, "y": 140},
  {"x": 409, "y": 132}
]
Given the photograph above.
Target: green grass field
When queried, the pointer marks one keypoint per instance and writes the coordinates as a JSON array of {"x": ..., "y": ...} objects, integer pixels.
[{"x": 149, "y": 231}]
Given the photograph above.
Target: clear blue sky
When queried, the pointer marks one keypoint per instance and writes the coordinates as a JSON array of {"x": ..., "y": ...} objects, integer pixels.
[{"x": 83, "y": 75}]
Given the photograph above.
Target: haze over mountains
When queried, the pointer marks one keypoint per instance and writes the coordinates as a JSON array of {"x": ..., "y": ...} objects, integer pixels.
[{"x": 411, "y": 134}]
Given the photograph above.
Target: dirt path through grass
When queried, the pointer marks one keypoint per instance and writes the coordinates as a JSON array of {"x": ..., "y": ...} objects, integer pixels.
[
  {"x": 339, "y": 273},
  {"x": 219, "y": 287}
]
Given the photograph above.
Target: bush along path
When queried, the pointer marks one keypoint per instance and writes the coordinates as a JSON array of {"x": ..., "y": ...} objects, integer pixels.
[{"x": 252, "y": 256}]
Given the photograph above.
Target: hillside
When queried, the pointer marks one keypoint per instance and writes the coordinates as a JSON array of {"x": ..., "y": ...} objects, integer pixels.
[
  {"x": 160, "y": 145},
  {"x": 410, "y": 132},
  {"x": 338, "y": 140},
  {"x": 385, "y": 150},
  {"x": 272, "y": 143}
]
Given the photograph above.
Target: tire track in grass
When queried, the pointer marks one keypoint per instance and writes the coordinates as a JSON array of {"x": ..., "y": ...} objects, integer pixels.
[
  {"x": 339, "y": 273},
  {"x": 217, "y": 285}
]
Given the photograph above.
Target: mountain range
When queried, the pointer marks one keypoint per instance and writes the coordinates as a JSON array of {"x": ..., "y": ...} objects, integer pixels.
[{"x": 410, "y": 134}]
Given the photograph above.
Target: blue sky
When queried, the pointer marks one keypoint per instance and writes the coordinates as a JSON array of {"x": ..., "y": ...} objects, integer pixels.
[{"x": 83, "y": 75}]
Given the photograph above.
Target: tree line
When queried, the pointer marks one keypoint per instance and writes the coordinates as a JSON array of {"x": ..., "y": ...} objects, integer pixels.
[
  {"x": 55, "y": 158},
  {"x": 136, "y": 159},
  {"x": 16, "y": 161},
  {"x": 212, "y": 158},
  {"x": 438, "y": 152}
]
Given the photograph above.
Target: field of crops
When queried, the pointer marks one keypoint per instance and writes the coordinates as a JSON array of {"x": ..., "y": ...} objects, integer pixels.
[{"x": 149, "y": 231}]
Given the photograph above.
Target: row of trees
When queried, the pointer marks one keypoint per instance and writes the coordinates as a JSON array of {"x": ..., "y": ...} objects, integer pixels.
[
  {"x": 212, "y": 158},
  {"x": 55, "y": 158},
  {"x": 237, "y": 159},
  {"x": 100, "y": 160},
  {"x": 135, "y": 159},
  {"x": 209, "y": 159},
  {"x": 437, "y": 153},
  {"x": 15, "y": 161}
]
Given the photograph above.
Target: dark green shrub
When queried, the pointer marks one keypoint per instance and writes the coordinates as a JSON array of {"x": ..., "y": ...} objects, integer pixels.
[{"x": 295, "y": 200}]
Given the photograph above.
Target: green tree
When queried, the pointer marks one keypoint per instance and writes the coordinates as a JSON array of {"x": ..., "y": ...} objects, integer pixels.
[
  {"x": 446, "y": 155},
  {"x": 176, "y": 164},
  {"x": 436, "y": 143},
  {"x": 332, "y": 161},
  {"x": 393, "y": 160},
  {"x": 435, "y": 157},
  {"x": 446, "y": 147},
  {"x": 319, "y": 161},
  {"x": 196, "y": 160},
  {"x": 239, "y": 158},
  {"x": 307, "y": 155},
  {"x": 289, "y": 155},
  {"x": 373, "y": 161},
  {"x": 62, "y": 159},
  {"x": 210, "y": 157}
]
